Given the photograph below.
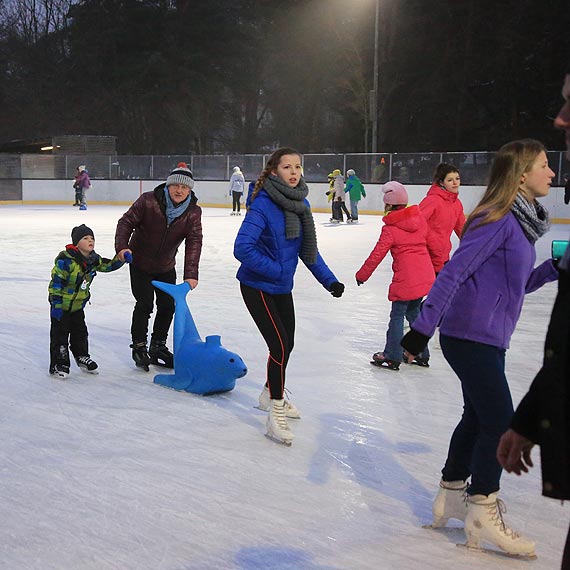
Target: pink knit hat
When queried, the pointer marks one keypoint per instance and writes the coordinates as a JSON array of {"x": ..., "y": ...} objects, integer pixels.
[{"x": 395, "y": 193}]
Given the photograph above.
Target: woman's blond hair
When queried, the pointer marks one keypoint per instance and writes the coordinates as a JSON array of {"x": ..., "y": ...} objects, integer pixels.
[
  {"x": 512, "y": 161},
  {"x": 272, "y": 164}
]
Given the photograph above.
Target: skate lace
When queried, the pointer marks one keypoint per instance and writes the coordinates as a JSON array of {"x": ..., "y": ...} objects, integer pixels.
[
  {"x": 84, "y": 360},
  {"x": 496, "y": 510},
  {"x": 279, "y": 415}
]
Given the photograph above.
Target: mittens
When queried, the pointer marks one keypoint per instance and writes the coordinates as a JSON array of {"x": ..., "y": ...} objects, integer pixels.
[
  {"x": 128, "y": 257},
  {"x": 56, "y": 313},
  {"x": 336, "y": 289}
]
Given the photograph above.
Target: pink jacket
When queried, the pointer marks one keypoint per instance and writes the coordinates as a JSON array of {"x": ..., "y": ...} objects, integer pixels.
[
  {"x": 404, "y": 236},
  {"x": 443, "y": 212}
]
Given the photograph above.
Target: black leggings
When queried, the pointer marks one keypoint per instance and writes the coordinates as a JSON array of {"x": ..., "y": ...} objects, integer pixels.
[
  {"x": 274, "y": 316},
  {"x": 144, "y": 292},
  {"x": 236, "y": 197}
]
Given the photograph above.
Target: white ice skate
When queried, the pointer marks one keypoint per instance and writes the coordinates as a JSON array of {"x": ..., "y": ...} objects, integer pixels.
[
  {"x": 484, "y": 523},
  {"x": 291, "y": 410},
  {"x": 450, "y": 503},
  {"x": 277, "y": 428}
]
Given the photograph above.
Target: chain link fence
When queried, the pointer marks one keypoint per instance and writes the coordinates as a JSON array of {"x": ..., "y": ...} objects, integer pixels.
[{"x": 408, "y": 168}]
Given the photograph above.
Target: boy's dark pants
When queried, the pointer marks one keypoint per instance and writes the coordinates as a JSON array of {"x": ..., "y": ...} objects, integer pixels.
[
  {"x": 71, "y": 328},
  {"x": 144, "y": 292}
]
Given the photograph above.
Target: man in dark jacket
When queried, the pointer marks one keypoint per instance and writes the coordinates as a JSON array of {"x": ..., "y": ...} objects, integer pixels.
[
  {"x": 543, "y": 416},
  {"x": 148, "y": 235}
]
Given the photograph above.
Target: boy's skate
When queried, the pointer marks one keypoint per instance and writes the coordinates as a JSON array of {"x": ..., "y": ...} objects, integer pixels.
[
  {"x": 87, "y": 365},
  {"x": 60, "y": 369},
  {"x": 160, "y": 355},
  {"x": 140, "y": 355},
  {"x": 419, "y": 361},
  {"x": 484, "y": 523},
  {"x": 379, "y": 360},
  {"x": 450, "y": 503},
  {"x": 276, "y": 425},
  {"x": 291, "y": 410}
]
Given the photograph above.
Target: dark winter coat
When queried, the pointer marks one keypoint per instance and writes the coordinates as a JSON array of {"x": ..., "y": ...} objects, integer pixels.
[
  {"x": 443, "y": 212},
  {"x": 71, "y": 277},
  {"x": 543, "y": 416},
  {"x": 268, "y": 259},
  {"x": 144, "y": 230},
  {"x": 404, "y": 236}
]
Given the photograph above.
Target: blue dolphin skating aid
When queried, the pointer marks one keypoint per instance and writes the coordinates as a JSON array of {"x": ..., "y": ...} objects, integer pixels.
[
  {"x": 200, "y": 367},
  {"x": 559, "y": 248}
]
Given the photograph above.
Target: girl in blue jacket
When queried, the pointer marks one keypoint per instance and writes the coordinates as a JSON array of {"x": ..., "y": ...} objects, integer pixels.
[
  {"x": 278, "y": 229},
  {"x": 476, "y": 301}
]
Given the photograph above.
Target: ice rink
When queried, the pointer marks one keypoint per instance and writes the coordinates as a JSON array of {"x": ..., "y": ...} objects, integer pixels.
[{"x": 112, "y": 472}]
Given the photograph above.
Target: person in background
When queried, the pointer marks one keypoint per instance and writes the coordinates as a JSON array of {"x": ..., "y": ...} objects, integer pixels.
[
  {"x": 330, "y": 194},
  {"x": 443, "y": 212},
  {"x": 338, "y": 201},
  {"x": 69, "y": 291},
  {"x": 82, "y": 184},
  {"x": 355, "y": 191},
  {"x": 543, "y": 415},
  {"x": 149, "y": 235},
  {"x": 403, "y": 235},
  {"x": 237, "y": 184},
  {"x": 476, "y": 300},
  {"x": 278, "y": 229}
]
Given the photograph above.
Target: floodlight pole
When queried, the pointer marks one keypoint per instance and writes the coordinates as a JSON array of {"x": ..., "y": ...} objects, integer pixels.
[{"x": 374, "y": 98}]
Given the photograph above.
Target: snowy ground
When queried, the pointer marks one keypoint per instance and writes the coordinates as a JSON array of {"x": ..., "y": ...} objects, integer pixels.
[{"x": 113, "y": 472}]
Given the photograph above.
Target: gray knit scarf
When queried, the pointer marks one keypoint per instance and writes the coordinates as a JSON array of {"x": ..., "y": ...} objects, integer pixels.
[
  {"x": 292, "y": 201},
  {"x": 532, "y": 216}
]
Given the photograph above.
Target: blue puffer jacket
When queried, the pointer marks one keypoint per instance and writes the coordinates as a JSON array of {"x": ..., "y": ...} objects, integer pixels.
[{"x": 268, "y": 259}]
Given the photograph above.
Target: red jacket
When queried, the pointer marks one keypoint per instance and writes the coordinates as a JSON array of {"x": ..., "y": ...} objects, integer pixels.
[
  {"x": 443, "y": 212},
  {"x": 143, "y": 230},
  {"x": 404, "y": 236}
]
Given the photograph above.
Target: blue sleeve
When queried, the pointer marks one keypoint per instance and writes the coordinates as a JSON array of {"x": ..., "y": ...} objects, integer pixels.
[
  {"x": 247, "y": 249},
  {"x": 544, "y": 273}
]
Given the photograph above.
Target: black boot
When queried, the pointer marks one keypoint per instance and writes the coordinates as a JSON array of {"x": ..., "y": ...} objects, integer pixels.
[
  {"x": 160, "y": 355},
  {"x": 140, "y": 355}
]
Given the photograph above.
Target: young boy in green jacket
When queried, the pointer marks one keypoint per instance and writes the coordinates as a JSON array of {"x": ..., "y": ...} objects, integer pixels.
[{"x": 71, "y": 277}]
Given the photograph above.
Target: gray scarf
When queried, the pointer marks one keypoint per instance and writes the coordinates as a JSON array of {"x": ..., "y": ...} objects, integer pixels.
[
  {"x": 532, "y": 216},
  {"x": 292, "y": 202}
]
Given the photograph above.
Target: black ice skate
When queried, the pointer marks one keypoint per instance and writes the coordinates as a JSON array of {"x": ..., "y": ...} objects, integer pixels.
[
  {"x": 87, "y": 365},
  {"x": 418, "y": 361},
  {"x": 379, "y": 360},
  {"x": 160, "y": 355},
  {"x": 60, "y": 371},
  {"x": 140, "y": 355}
]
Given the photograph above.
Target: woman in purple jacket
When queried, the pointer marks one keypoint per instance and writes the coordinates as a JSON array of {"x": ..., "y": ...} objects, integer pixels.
[{"x": 476, "y": 302}]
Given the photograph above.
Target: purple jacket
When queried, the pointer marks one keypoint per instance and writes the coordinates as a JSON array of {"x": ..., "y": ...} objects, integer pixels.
[{"x": 479, "y": 293}]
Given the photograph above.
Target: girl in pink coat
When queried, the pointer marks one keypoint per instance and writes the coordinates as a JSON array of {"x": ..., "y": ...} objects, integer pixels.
[
  {"x": 404, "y": 235},
  {"x": 443, "y": 212}
]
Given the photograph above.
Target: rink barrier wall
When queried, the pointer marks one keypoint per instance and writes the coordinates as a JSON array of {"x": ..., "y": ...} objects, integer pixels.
[{"x": 214, "y": 194}]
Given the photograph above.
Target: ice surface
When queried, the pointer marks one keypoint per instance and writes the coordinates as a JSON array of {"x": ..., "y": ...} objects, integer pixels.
[{"x": 113, "y": 472}]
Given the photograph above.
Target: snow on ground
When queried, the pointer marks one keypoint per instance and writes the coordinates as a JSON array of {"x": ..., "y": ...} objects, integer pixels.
[{"x": 113, "y": 472}]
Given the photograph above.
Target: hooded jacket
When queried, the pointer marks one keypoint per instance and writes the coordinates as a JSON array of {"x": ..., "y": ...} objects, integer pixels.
[
  {"x": 404, "y": 236},
  {"x": 71, "y": 277},
  {"x": 443, "y": 212},
  {"x": 144, "y": 230},
  {"x": 354, "y": 188}
]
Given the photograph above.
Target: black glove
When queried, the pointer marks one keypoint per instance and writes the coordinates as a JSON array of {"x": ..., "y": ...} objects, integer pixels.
[
  {"x": 359, "y": 283},
  {"x": 414, "y": 342},
  {"x": 336, "y": 289}
]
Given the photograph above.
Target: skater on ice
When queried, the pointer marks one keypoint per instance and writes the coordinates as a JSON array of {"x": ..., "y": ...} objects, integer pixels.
[
  {"x": 69, "y": 291},
  {"x": 237, "y": 186},
  {"x": 404, "y": 236},
  {"x": 81, "y": 184},
  {"x": 543, "y": 416},
  {"x": 443, "y": 212},
  {"x": 356, "y": 192},
  {"x": 278, "y": 229},
  {"x": 477, "y": 300},
  {"x": 339, "y": 205},
  {"x": 151, "y": 231}
]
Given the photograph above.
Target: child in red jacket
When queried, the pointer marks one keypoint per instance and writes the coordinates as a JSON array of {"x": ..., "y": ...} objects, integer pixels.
[{"x": 404, "y": 235}]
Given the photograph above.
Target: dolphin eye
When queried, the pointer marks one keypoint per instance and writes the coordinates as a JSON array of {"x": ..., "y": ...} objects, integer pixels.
[{"x": 232, "y": 360}]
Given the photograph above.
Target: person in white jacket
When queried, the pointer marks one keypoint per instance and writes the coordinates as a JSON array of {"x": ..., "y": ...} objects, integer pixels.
[
  {"x": 237, "y": 184},
  {"x": 338, "y": 200}
]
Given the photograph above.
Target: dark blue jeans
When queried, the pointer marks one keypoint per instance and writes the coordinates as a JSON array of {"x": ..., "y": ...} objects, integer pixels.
[
  {"x": 400, "y": 309},
  {"x": 487, "y": 413}
]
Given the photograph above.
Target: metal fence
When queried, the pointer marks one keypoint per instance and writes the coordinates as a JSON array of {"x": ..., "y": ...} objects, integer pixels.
[{"x": 408, "y": 168}]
